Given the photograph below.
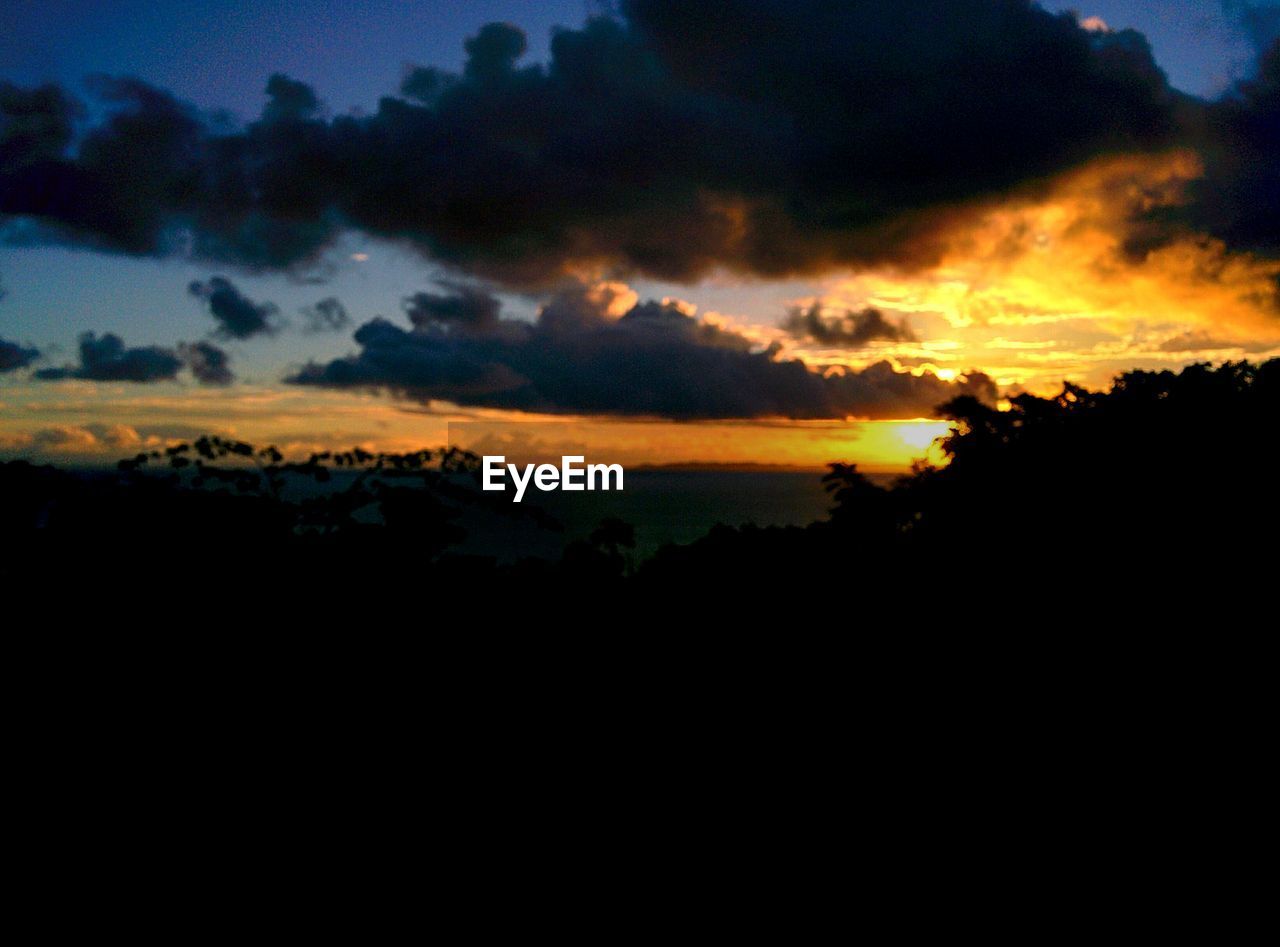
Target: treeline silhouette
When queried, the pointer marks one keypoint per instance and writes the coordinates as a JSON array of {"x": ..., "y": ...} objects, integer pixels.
[
  {"x": 1159, "y": 487},
  {"x": 1163, "y": 485}
]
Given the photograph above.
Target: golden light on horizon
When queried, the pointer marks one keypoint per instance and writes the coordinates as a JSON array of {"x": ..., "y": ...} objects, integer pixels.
[
  {"x": 301, "y": 421},
  {"x": 920, "y": 434},
  {"x": 1047, "y": 285},
  {"x": 1035, "y": 289}
]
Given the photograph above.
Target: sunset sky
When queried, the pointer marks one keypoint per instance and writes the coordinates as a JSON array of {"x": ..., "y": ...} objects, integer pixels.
[{"x": 776, "y": 234}]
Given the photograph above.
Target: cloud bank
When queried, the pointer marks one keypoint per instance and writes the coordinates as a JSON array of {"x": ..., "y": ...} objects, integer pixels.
[
  {"x": 14, "y": 355},
  {"x": 209, "y": 364},
  {"x": 852, "y": 329},
  {"x": 982, "y": 161},
  {"x": 107, "y": 358},
  {"x": 653, "y": 360},
  {"x": 768, "y": 139}
]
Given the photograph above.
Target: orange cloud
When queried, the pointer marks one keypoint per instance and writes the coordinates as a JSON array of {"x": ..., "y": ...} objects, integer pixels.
[{"x": 1052, "y": 283}]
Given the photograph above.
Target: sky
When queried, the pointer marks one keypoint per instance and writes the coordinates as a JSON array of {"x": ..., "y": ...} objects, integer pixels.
[
  {"x": 218, "y": 54},
  {"x": 688, "y": 263}
]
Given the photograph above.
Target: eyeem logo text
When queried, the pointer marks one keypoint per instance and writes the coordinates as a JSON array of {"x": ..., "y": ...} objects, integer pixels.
[{"x": 572, "y": 474}]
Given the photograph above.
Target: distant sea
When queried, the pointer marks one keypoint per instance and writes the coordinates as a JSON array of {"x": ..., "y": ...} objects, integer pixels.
[{"x": 665, "y": 505}]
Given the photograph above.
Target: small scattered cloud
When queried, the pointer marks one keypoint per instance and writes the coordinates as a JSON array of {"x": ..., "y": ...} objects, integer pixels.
[
  {"x": 14, "y": 355},
  {"x": 238, "y": 316},
  {"x": 328, "y": 315},
  {"x": 209, "y": 364},
  {"x": 463, "y": 306},
  {"x": 850, "y": 329},
  {"x": 71, "y": 439},
  {"x": 106, "y": 358},
  {"x": 1200, "y": 340}
]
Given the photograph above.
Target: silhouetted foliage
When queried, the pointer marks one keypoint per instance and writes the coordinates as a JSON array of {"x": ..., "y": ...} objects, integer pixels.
[
  {"x": 418, "y": 493},
  {"x": 600, "y": 555},
  {"x": 219, "y": 511},
  {"x": 1163, "y": 486},
  {"x": 1168, "y": 478}
]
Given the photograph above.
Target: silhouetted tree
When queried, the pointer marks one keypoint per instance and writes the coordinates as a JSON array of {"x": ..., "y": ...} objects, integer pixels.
[
  {"x": 1163, "y": 486},
  {"x": 1169, "y": 477}
]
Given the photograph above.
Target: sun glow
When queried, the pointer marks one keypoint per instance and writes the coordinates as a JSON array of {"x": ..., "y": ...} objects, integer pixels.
[
  {"x": 1041, "y": 287},
  {"x": 1054, "y": 283},
  {"x": 53, "y": 425},
  {"x": 920, "y": 435}
]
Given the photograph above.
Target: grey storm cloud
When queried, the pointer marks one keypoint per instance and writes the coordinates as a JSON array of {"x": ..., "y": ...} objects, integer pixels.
[
  {"x": 209, "y": 364},
  {"x": 238, "y": 316},
  {"x": 328, "y": 315},
  {"x": 672, "y": 139},
  {"x": 14, "y": 355},
  {"x": 852, "y": 330},
  {"x": 653, "y": 361},
  {"x": 1238, "y": 197},
  {"x": 106, "y": 358},
  {"x": 1260, "y": 22},
  {"x": 461, "y": 305}
]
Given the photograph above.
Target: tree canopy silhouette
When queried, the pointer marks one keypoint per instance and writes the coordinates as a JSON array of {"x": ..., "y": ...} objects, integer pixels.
[
  {"x": 1164, "y": 483},
  {"x": 1167, "y": 475}
]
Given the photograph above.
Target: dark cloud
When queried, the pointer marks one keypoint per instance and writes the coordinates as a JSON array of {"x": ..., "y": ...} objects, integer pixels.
[
  {"x": 492, "y": 53},
  {"x": 1260, "y": 22},
  {"x": 14, "y": 356},
  {"x": 852, "y": 330},
  {"x": 209, "y": 364},
  {"x": 424, "y": 83},
  {"x": 107, "y": 359},
  {"x": 153, "y": 177},
  {"x": 582, "y": 307},
  {"x": 289, "y": 100},
  {"x": 467, "y": 307},
  {"x": 328, "y": 315},
  {"x": 653, "y": 360},
  {"x": 129, "y": 174},
  {"x": 767, "y": 138},
  {"x": 238, "y": 316},
  {"x": 1238, "y": 198},
  {"x": 38, "y": 124}
]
